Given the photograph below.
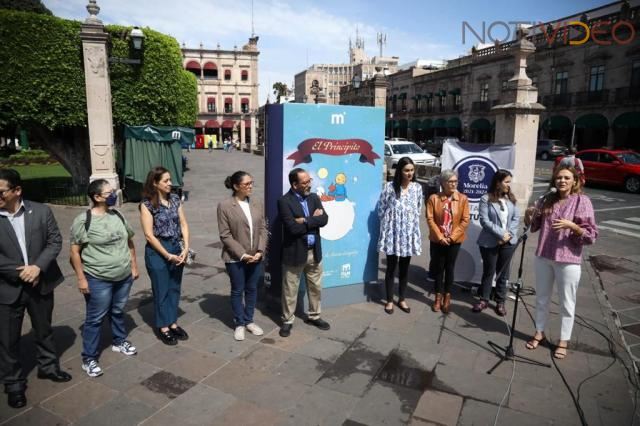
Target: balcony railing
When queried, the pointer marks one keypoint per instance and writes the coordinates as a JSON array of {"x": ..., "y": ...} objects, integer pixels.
[
  {"x": 628, "y": 94},
  {"x": 483, "y": 106},
  {"x": 559, "y": 100},
  {"x": 589, "y": 98}
]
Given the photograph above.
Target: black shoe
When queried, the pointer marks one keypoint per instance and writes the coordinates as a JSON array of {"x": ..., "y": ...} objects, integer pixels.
[
  {"x": 406, "y": 309},
  {"x": 179, "y": 333},
  {"x": 167, "y": 338},
  {"x": 285, "y": 330},
  {"x": 318, "y": 322},
  {"x": 17, "y": 399},
  {"x": 58, "y": 376}
]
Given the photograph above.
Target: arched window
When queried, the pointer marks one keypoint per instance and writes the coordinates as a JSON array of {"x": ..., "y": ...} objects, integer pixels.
[
  {"x": 244, "y": 105},
  {"x": 228, "y": 104},
  {"x": 194, "y": 67},
  {"x": 244, "y": 75},
  {"x": 210, "y": 70}
]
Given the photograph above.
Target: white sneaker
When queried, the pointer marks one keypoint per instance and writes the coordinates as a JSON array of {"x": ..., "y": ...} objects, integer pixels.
[
  {"x": 239, "y": 333},
  {"x": 125, "y": 348},
  {"x": 92, "y": 368},
  {"x": 255, "y": 329}
]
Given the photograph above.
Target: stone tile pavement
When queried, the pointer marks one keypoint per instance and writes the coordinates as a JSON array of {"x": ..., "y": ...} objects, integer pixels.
[{"x": 369, "y": 369}]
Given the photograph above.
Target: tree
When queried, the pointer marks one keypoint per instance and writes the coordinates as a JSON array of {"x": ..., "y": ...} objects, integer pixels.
[
  {"x": 35, "y": 6},
  {"x": 280, "y": 89},
  {"x": 43, "y": 88}
]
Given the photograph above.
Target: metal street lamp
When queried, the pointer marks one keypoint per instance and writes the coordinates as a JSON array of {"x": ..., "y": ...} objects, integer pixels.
[
  {"x": 137, "y": 39},
  {"x": 356, "y": 81}
]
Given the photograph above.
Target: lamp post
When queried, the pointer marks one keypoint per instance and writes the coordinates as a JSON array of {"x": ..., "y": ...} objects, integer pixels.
[{"x": 98, "y": 89}]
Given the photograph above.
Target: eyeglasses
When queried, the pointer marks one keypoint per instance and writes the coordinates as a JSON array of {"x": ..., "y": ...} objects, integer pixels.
[
  {"x": 306, "y": 182},
  {"x": 245, "y": 184},
  {"x": 452, "y": 182},
  {"x": 5, "y": 191}
]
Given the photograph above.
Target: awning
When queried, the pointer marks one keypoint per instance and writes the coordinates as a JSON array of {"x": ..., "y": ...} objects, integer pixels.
[
  {"x": 481, "y": 124},
  {"x": 427, "y": 123},
  {"x": 198, "y": 124},
  {"x": 592, "y": 121},
  {"x": 627, "y": 120},
  {"x": 403, "y": 124},
  {"x": 244, "y": 73},
  {"x": 228, "y": 100},
  {"x": 454, "y": 123},
  {"x": 212, "y": 124},
  {"x": 247, "y": 123},
  {"x": 429, "y": 95},
  {"x": 228, "y": 124},
  {"x": 244, "y": 100},
  {"x": 211, "y": 100},
  {"x": 441, "y": 93},
  {"x": 403, "y": 96},
  {"x": 193, "y": 65},
  {"x": 227, "y": 72},
  {"x": 416, "y": 125},
  {"x": 210, "y": 66},
  {"x": 440, "y": 123},
  {"x": 557, "y": 122},
  {"x": 455, "y": 91}
]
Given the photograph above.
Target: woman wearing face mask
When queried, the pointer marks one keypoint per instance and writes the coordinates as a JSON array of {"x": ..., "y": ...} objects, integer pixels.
[
  {"x": 165, "y": 227},
  {"x": 499, "y": 218},
  {"x": 566, "y": 223},
  {"x": 104, "y": 259},
  {"x": 399, "y": 212}
]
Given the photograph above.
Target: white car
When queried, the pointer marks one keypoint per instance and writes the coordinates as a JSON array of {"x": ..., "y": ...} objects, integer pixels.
[{"x": 395, "y": 150}]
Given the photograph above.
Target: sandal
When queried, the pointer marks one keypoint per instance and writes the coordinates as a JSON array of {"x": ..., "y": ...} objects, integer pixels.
[
  {"x": 534, "y": 343},
  {"x": 560, "y": 352}
]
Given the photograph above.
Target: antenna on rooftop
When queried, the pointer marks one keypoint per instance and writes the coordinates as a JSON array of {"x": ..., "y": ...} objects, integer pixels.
[{"x": 382, "y": 41}]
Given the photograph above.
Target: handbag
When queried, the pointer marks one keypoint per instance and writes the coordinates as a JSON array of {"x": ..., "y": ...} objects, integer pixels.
[{"x": 191, "y": 254}]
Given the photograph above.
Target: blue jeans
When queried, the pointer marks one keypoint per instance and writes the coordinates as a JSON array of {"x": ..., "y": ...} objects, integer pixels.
[
  {"x": 105, "y": 297},
  {"x": 244, "y": 282},
  {"x": 166, "y": 280}
]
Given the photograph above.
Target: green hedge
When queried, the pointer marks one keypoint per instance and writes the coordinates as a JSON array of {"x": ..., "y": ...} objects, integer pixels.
[{"x": 43, "y": 76}]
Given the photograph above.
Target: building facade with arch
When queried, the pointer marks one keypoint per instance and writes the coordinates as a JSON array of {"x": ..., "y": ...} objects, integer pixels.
[{"x": 227, "y": 91}]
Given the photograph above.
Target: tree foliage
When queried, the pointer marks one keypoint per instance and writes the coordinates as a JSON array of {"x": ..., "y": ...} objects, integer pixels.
[
  {"x": 35, "y": 6},
  {"x": 280, "y": 89},
  {"x": 42, "y": 88}
]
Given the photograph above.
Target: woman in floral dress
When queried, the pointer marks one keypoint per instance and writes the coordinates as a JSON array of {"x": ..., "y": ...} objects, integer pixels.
[{"x": 399, "y": 213}]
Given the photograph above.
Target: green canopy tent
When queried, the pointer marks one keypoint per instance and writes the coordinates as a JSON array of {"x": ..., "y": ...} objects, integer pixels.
[{"x": 149, "y": 146}]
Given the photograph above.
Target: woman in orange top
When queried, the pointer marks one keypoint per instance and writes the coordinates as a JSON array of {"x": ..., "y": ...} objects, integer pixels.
[{"x": 448, "y": 218}]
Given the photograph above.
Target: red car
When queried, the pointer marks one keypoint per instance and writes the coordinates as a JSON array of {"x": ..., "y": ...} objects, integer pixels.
[{"x": 611, "y": 166}]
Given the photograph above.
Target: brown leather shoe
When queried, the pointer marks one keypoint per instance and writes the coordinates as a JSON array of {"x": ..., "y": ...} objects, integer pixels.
[
  {"x": 437, "y": 303},
  {"x": 446, "y": 303}
]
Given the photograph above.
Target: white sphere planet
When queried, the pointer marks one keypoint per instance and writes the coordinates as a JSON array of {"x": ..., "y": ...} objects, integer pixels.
[{"x": 341, "y": 217}]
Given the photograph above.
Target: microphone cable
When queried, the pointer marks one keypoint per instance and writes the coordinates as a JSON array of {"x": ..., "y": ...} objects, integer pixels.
[{"x": 513, "y": 375}]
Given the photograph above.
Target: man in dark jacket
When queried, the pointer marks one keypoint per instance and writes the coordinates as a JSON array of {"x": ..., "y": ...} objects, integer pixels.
[
  {"x": 302, "y": 217},
  {"x": 28, "y": 274}
]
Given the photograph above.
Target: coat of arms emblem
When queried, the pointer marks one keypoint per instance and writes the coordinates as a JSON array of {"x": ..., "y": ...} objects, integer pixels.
[{"x": 476, "y": 173}]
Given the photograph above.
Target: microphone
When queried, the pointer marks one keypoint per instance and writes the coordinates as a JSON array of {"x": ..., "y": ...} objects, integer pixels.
[{"x": 551, "y": 190}]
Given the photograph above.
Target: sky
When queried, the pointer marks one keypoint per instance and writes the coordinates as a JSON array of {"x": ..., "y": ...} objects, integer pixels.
[{"x": 294, "y": 34}]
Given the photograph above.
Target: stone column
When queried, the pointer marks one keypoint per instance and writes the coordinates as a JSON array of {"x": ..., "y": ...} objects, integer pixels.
[
  {"x": 98, "y": 87},
  {"x": 517, "y": 121},
  {"x": 254, "y": 142},
  {"x": 243, "y": 132},
  {"x": 379, "y": 89}
]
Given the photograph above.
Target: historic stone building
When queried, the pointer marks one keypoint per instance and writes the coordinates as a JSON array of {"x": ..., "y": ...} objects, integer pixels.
[
  {"x": 227, "y": 90},
  {"x": 589, "y": 83},
  {"x": 321, "y": 83}
]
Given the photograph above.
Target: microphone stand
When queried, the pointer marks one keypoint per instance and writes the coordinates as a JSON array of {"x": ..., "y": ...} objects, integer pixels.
[{"x": 509, "y": 353}]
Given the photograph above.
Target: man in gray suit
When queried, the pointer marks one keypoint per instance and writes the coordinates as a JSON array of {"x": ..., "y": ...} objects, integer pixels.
[{"x": 28, "y": 274}]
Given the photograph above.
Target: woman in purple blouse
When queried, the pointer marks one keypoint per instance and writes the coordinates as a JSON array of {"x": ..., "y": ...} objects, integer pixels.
[{"x": 566, "y": 223}]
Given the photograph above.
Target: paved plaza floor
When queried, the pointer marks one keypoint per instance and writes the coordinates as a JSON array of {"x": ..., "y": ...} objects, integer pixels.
[{"x": 369, "y": 369}]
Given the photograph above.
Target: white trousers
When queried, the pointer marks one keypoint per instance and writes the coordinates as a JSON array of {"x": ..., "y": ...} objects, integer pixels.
[{"x": 567, "y": 278}]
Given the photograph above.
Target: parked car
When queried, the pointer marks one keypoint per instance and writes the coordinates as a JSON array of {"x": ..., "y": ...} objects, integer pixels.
[
  {"x": 550, "y": 148},
  {"x": 434, "y": 146},
  {"x": 395, "y": 150},
  {"x": 611, "y": 166}
]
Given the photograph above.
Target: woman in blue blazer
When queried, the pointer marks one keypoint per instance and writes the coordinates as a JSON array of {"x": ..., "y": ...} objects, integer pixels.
[{"x": 499, "y": 218}]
